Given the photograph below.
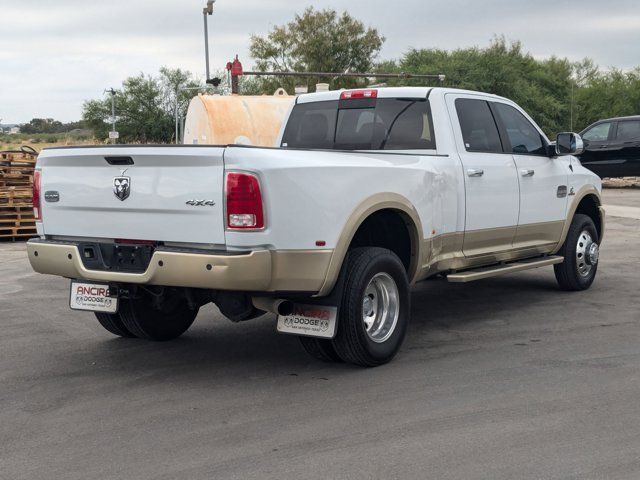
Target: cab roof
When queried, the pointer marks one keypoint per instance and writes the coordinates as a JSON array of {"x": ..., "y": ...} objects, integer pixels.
[{"x": 387, "y": 92}]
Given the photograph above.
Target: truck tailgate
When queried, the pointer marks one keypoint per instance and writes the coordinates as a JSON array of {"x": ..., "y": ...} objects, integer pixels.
[{"x": 161, "y": 193}]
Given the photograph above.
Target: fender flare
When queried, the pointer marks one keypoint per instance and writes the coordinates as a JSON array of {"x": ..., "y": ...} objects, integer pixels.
[
  {"x": 375, "y": 203},
  {"x": 584, "y": 192}
]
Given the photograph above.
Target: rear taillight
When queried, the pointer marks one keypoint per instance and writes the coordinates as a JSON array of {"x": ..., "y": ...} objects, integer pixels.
[
  {"x": 244, "y": 202},
  {"x": 37, "y": 211},
  {"x": 355, "y": 94}
]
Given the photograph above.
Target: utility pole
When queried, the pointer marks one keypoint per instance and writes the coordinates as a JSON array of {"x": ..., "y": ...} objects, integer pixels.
[
  {"x": 113, "y": 135},
  {"x": 206, "y": 12}
]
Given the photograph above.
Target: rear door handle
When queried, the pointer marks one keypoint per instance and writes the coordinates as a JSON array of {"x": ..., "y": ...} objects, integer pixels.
[
  {"x": 527, "y": 173},
  {"x": 475, "y": 172}
]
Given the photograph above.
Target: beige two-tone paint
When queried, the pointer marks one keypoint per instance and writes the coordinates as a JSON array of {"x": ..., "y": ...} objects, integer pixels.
[
  {"x": 380, "y": 201},
  {"x": 445, "y": 252}
]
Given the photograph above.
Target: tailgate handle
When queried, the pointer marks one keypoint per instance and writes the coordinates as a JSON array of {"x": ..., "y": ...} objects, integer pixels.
[{"x": 119, "y": 160}]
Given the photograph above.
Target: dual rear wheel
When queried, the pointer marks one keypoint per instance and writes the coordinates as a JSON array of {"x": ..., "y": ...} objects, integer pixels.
[
  {"x": 140, "y": 318},
  {"x": 374, "y": 311}
]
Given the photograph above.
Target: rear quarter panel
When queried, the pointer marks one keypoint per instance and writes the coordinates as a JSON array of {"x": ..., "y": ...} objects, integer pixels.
[{"x": 310, "y": 195}]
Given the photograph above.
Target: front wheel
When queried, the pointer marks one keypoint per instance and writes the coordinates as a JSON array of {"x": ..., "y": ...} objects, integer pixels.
[
  {"x": 581, "y": 253},
  {"x": 374, "y": 312}
]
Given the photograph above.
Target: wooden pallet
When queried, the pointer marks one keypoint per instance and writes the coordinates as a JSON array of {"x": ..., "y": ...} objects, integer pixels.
[
  {"x": 16, "y": 209},
  {"x": 15, "y": 177},
  {"x": 17, "y": 157},
  {"x": 18, "y": 212},
  {"x": 16, "y": 185},
  {"x": 16, "y": 170},
  {"x": 17, "y": 232},
  {"x": 17, "y": 223},
  {"x": 16, "y": 197}
]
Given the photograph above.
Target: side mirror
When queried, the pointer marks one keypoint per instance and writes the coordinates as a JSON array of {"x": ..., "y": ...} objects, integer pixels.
[{"x": 569, "y": 144}]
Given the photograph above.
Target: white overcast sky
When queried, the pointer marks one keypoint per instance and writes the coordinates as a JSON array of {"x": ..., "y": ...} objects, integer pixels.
[{"x": 56, "y": 53}]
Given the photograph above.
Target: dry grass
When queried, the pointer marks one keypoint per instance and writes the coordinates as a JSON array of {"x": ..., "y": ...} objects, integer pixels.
[
  {"x": 15, "y": 145},
  {"x": 625, "y": 182}
]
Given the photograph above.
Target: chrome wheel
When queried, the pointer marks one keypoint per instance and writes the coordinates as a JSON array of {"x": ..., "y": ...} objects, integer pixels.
[
  {"x": 380, "y": 307},
  {"x": 587, "y": 253}
]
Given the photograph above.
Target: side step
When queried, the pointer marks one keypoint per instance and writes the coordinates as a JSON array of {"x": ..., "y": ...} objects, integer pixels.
[{"x": 495, "y": 270}]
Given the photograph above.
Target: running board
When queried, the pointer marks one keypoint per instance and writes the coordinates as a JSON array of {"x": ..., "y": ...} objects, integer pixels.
[{"x": 495, "y": 270}]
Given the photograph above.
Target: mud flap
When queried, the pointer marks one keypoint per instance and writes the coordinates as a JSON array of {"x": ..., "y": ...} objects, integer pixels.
[{"x": 317, "y": 316}]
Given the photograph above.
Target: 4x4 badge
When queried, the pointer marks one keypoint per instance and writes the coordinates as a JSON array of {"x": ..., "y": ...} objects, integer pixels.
[{"x": 122, "y": 187}]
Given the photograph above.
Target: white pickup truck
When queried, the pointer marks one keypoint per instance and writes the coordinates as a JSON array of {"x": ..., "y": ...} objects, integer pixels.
[{"x": 368, "y": 192}]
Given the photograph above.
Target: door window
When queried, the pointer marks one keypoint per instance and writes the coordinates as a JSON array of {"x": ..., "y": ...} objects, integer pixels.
[
  {"x": 479, "y": 130},
  {"x": 599, "y": 133},
  {"x": 628, "y": 131},
  {"x": 523, "y": 137}
]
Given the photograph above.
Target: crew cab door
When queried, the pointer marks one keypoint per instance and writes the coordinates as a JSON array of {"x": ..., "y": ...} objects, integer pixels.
[
  {"x": 490, "y": 175},
  {"x": 626, "y": 149},
  {"x": 597, "y": 151},
  {"x": 543, "y": 180}
]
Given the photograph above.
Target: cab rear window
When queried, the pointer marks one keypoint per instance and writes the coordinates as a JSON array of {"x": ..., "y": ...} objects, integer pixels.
[{"x": 362, "y": 124}]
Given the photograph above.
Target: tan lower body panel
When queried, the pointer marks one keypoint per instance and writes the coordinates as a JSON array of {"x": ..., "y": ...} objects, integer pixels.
[
  {"x": 448, "y": 254},
  {"x": 487, "y": 241},
  {"x": 538, "y": 234},
  {"x": 284, "y": 270},
  {"x": 259, "y": 271},
  {"x": 299, "y": 270}
]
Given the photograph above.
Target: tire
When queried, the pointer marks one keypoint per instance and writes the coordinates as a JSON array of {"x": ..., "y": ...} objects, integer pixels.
[
  {"x": 579, "y": 268},
  {"x": 373, "y": 339},
  {"x": 113, "y": 324},
  {"x": 144, "y": 321},
  {"x": 319, "y": 348}
]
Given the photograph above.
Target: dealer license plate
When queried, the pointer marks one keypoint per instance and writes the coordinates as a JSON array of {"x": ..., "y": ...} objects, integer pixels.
[
  {"x": 93, "y": 297},
  {"x": 310, "y": 321}
]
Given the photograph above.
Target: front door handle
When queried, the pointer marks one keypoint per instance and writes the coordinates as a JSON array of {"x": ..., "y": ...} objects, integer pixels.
[
  {"x": 475, "y": 172},
  {"x": 527, "y": 173}
]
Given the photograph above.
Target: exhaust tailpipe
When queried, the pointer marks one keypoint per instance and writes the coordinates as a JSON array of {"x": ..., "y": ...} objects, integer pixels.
[{"x": 279, "y": 306}]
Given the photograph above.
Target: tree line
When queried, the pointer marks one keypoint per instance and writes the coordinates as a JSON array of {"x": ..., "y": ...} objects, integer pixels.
[
  {"x": 559, "y": 94},
  {"x": 49, "y": 125}
]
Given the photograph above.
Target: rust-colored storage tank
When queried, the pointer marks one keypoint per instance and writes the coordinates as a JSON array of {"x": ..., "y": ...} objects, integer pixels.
[{"x": 247, "y": 120}]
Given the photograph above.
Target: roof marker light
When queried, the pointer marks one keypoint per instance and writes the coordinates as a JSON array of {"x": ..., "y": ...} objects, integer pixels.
[{"x": 359, "y": 94}]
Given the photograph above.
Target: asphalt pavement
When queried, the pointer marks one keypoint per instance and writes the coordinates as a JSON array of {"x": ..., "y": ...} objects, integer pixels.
[{"x": 506, "y": 378}]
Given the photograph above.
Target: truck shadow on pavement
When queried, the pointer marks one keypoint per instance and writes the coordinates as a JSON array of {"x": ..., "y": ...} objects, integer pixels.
[{"x": 215, "y": 350}]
